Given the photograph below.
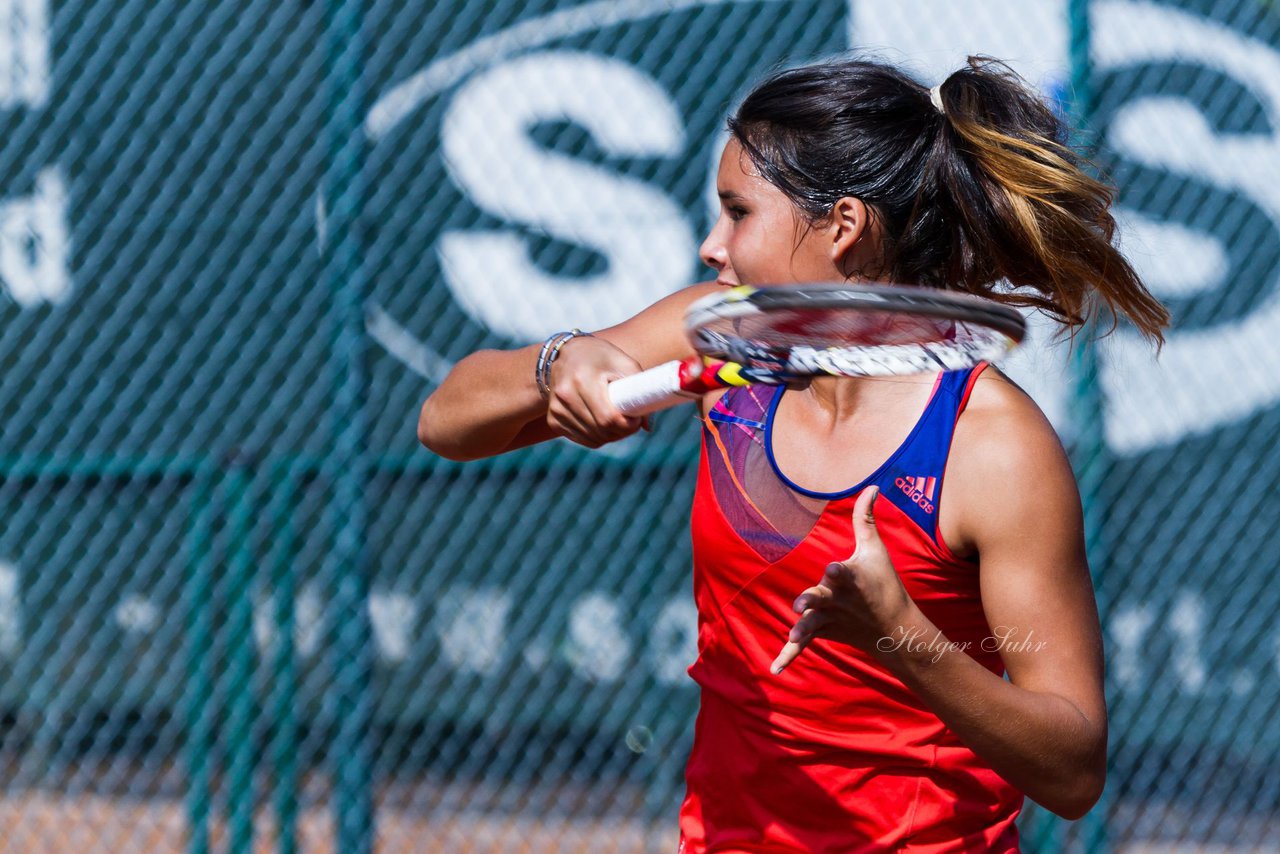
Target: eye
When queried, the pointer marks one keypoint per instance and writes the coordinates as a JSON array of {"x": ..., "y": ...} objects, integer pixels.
[{"x": 736, "y": 212}]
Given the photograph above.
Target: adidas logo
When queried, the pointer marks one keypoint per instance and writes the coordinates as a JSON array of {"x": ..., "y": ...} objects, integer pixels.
[{"x": 919, "y": 489}]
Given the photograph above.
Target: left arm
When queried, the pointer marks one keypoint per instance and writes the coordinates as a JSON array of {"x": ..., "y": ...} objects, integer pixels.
[{"x": 1045, "y": 729}]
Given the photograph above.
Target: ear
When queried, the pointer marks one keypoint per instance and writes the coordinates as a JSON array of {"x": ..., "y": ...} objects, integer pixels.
[{"x": 849, "y": 222}]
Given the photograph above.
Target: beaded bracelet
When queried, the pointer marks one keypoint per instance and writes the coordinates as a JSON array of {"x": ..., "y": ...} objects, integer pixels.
[{"x": 549, "y": 353}]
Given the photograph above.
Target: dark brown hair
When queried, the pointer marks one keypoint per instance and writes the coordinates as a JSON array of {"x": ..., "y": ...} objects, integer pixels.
[{"x": 982, "y": 192}]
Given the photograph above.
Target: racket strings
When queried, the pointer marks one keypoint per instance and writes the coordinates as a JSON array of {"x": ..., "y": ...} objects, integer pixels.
[{"x": 780, "y": 334}]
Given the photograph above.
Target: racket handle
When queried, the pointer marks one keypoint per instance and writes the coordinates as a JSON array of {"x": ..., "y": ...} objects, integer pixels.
[{"x": 664, "y": 386}]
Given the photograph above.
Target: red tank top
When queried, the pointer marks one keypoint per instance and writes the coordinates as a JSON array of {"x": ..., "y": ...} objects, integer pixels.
[{"x": 835, "y": 754}]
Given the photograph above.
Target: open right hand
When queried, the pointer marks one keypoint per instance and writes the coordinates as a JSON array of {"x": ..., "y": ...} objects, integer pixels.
[{"x": 579, "y": 407}]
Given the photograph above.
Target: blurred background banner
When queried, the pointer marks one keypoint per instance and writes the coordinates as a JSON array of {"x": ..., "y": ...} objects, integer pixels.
[{"x": 241, "y": 241}]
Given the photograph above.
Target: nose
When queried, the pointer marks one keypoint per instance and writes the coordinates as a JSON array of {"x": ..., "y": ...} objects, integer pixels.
[{"x": 712, "y": 252}]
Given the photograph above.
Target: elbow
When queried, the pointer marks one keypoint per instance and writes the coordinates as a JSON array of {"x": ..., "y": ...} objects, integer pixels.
[
  {"x": 1081, "y": 790},
  {"x": 426, "y": 436},
  {"x": 424, "y": 429},
  {"x": 436, "y": 438},
  {"x": 429, "y": 435},
  {"x": 1081, "y": 797}
]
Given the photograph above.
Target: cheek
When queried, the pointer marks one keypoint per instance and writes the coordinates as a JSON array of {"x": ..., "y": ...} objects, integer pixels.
[
  {"x": 772, "y": 257},
  {"x": 812, "y": 261},
  {"x": 753, "y": 250}
]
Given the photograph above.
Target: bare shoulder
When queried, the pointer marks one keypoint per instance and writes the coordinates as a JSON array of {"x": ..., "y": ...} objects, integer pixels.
[
  {"x": 1003, "y": 428},
  {"x": 1006, "y": 465}
]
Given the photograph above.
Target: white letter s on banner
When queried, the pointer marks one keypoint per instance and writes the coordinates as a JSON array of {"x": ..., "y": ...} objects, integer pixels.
[{"x": 642, "y": 233}]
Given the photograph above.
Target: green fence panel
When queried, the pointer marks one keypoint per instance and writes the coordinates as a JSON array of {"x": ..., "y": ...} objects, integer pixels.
[{"x": 241, "y": 241}]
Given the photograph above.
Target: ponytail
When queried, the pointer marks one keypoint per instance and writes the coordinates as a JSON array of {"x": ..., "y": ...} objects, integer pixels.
[
  {"x": 972, "y": 184},
  {"x": 1020, "y": 207}
]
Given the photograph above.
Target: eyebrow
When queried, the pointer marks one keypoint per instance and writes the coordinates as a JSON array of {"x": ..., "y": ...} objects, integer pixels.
[{"x": 729, "y": 196}]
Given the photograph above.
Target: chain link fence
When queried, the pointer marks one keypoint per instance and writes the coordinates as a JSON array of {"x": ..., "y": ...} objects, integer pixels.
[{"x": 241, "y": 240}]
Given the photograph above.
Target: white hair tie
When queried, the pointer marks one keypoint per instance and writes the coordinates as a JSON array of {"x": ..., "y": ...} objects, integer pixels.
[{"x": 935, "y": 95}]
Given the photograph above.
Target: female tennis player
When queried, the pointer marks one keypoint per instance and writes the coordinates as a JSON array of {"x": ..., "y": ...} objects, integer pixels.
[{"x": 872, "y": 557}]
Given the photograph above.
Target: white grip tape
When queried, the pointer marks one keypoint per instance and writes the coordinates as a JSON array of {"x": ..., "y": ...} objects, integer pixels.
[{"x": 649, "y": 391}]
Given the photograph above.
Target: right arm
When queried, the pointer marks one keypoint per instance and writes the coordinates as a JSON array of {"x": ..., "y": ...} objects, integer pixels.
[{"x": 489, "y": 403}]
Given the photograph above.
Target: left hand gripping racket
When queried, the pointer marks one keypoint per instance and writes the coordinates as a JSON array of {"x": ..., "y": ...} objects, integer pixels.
[{"x": 785, "y": 335}]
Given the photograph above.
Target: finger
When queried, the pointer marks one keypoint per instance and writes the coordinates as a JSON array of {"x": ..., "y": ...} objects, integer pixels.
[
  {"x": 839, "y": 574},
  {"x": 608, "y": 418},
  {"x": 574, "y": 402},
  {"x": 864, "y": 521},
  {"x": 808, "y": 626},
  {"x": 814, "y": 597},
  {"x": 591, "y": 416},
  {"x": 584, "y": 440},
  {"x": 599, "y": 417},
  {"x": 805, "y": 630},
  {"x": 565, "y": 422},
  {"x": 789, "y": 653}
]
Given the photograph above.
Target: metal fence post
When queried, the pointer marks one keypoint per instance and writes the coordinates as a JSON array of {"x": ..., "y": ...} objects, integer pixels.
[
  {"x": 1090, "y": 449},
  {"x": 283, "y": 687},
  {"x": 241, "y": 712},
  {"x": 349, "y": 622},
  {"x": 200, "y": 665}
]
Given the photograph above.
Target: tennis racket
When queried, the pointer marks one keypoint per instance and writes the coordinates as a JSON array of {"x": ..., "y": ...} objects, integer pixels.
[{"x": 785, "y": 335}]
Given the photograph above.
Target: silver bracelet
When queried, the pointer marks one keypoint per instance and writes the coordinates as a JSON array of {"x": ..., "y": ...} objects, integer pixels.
[
  {"x": 549, "y": 353},
  {"x": 539, "y": 369}
]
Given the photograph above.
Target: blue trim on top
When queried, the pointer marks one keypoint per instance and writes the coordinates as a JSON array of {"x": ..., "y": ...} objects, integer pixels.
[{"x": 934, "y": 397}]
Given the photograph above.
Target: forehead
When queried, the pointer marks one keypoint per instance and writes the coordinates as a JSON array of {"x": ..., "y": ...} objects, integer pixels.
[{"x": 737, "y": 172}]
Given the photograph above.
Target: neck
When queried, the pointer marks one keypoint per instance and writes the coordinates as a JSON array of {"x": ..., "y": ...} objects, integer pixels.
[{"x": 841, "y": 397}]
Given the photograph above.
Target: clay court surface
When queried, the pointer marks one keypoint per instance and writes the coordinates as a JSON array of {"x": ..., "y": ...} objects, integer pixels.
[
  {"x": 53, "y": 824},
  {"x": 422, "y": 816},
  {"x": 95, "y": 811}
]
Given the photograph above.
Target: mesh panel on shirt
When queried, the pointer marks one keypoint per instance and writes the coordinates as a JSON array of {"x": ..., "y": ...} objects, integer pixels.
[{"x": 769, "y": 516}]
